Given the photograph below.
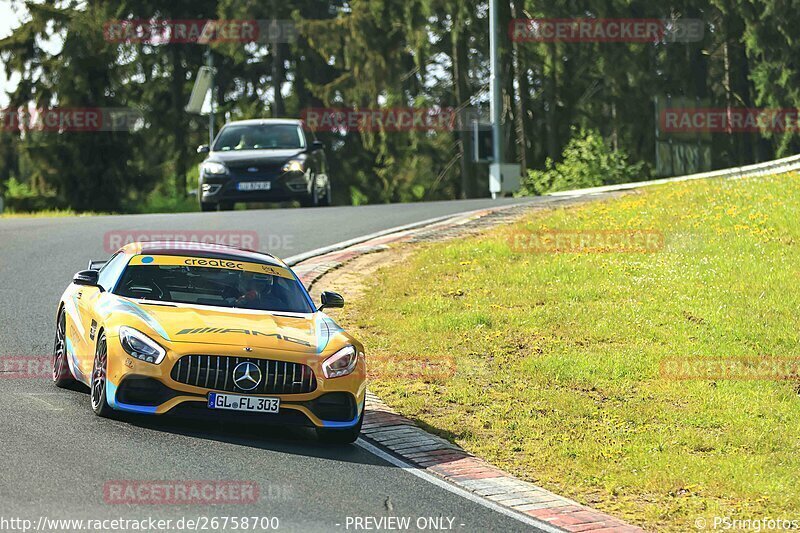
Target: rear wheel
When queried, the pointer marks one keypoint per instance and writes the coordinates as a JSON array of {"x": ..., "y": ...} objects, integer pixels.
[
  {"x": 62, "y": 376},
  {"x": 341, "y": 436},
  {"x": 99, "y": 378}
]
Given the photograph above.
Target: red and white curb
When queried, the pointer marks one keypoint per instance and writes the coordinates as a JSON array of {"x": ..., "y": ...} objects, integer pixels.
[
  {"x": 311, "y": 266},
  {"x": 445, "y": 460},
  {"x": 434, "y": 458}
]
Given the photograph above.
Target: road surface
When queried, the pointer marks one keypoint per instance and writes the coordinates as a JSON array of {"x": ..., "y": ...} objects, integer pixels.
[{"x": 57, "y": 457}]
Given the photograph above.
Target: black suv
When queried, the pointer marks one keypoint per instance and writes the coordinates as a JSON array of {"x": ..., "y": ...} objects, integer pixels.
[{"x": 263, "y": 160}]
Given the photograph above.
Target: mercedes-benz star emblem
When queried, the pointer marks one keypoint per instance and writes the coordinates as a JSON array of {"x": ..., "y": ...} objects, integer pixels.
[{"x": 246, "y": 376}]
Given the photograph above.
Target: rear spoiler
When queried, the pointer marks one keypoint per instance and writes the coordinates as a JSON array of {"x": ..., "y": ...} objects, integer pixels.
[{"x": 96, "y": 264}]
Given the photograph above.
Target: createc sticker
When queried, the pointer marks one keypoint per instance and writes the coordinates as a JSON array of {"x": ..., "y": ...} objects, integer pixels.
[{"x": 225, "y": 264}]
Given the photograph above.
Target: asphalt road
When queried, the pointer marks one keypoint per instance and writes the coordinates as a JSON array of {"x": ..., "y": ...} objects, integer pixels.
[{"x": 57, "y": 457}]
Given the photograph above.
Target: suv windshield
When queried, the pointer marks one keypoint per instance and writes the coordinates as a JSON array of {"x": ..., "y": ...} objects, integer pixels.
[
  {"x": 260, "y": 137},
  {"x": 223, "y": 283}
]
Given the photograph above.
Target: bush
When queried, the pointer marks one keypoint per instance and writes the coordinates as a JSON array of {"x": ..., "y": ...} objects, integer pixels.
[
  {"x": 587, "y": 161},
  {"x": 22, "y": 198},
  {"x": 166, "y": 198}
]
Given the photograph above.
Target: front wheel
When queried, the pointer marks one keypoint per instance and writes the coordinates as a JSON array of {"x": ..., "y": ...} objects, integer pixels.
[
  {"x": 62, "y": 376},
  {"x": 341, "y": 436},
  {"x": 208, "y": 206},
  {"x": 99, "y": 378}
]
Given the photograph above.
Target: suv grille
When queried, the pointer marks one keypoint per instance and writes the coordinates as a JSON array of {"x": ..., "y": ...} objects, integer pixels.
[{"x": 216, "y": 372}]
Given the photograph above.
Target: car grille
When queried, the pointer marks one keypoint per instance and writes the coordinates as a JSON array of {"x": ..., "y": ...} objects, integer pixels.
[
  {"x": 216, "y": 372},
  {"x": 262, "y": 170}
]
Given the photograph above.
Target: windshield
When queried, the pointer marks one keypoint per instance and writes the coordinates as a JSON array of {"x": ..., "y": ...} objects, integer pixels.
[
  {"x": 260, "y": 137},
  {"x": 223, "y": 283}
]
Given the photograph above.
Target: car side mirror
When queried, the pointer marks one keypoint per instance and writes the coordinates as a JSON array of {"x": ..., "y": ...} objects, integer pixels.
[
  {"x": 332, "y": 300},
  {"x": 86, "y": 277},
  {"x": 203, "y": 149},
  {"x": 96, "y": 264},
  {"x": 317, "y": 145}
]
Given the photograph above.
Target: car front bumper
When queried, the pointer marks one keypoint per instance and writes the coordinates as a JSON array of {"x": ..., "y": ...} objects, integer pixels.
[
  {"x": 288, "y": 186},
  {"x": 138, "y": 387}
]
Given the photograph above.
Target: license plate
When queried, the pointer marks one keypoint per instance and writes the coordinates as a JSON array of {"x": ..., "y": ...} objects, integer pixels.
[
  {"x": 233, "y": 402},
  {"x": 255, "y": 185}
]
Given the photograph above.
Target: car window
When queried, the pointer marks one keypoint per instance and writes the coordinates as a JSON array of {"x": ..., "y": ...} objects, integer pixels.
[
  {"x": 111, "y": 271},
  {"x": 260, "y": 137},
  {"x": 220, "y": 287}
]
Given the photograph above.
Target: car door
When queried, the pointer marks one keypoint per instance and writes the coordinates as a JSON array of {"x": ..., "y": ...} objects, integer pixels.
[{"x": 87, "y": 300}]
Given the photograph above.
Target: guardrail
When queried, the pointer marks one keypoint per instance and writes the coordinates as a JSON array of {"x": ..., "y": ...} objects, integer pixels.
[{"x": 777, "y": 166}]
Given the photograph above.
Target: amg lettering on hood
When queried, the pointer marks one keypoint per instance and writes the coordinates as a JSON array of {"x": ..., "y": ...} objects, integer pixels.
[{"x": 222, "y": 331}]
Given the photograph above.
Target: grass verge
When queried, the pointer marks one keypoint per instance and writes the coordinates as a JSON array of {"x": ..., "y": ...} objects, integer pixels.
[{"x": 558, "y": 355}]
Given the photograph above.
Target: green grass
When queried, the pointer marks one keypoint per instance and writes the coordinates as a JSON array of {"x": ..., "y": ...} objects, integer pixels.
[
  {"x": 558, "y": 355},
  {"x": 45, "y": 213},
  {"x": 154, "y": 203}
]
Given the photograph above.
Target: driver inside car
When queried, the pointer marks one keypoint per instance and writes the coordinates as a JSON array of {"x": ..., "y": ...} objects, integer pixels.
[
  {"x": 246, "y": 142},
  {"x": 253, "y": 290}
]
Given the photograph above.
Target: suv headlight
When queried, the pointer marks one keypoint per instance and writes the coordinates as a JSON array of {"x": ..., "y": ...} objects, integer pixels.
[
  {"x": 214, "y": 168},
  {"x": 295, "y": 165},
  {"x": 341, "y": 363},
  {"x": 140, "y": 346}
]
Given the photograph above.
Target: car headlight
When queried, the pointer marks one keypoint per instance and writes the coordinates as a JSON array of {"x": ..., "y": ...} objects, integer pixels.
[
  {"x": 295, "y": 165},
  {"x": 214, "y": 168},
  {"x": 140, "y": 346},
  {"x": 341, "y": 363}
]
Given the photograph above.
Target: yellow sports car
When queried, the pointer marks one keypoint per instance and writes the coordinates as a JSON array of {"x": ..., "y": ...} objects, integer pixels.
[{"x": 208, "y": 330}]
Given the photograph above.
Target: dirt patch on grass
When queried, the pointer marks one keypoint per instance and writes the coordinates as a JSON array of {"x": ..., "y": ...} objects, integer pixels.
[{"x": 349, "y": 279}]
